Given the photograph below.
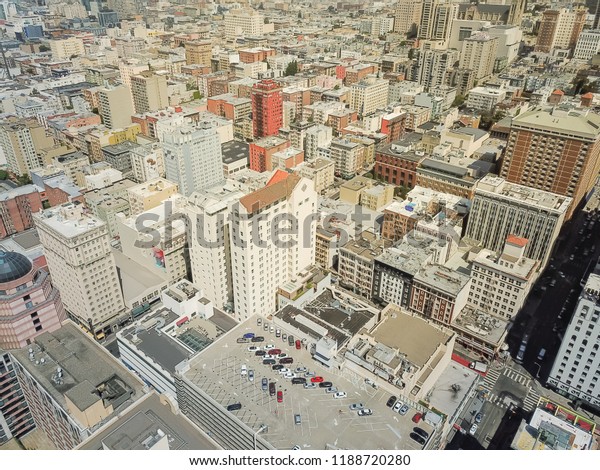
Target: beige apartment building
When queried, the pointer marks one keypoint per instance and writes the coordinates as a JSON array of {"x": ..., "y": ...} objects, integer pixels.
[
  {"x": 148, "y": 195},
  {"x": 22, "y": 140},
  {"x": 149, "y": 92},
  {"x": 77, "y": 249},
  {"x": 65, "y": 48},
  {"x": 321, "y": 171},
  {"x": 116, "y": 107},
  {"x": 198, "y": 52},
  {"x": 479, "y": 54}
]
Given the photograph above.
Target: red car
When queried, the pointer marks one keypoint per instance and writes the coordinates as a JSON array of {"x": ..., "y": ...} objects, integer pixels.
[
  {"x": 279, "y": 396},
  {"x": 317, "y": 379},
  {"x": 274, "y": 352},
  {"x": 417, "y": 417},
  {"x": 298, "y": 344}
]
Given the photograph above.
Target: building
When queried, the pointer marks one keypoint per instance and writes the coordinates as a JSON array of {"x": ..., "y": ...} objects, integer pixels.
[
  {"x": 321, "y": 171},
  {"x": 368, "y": 95},
  {"x": 261, "y": 263},
  {"x": 115, "y": 106},
  {"x": 575, "y": 369},
  {"x": 21, "y": 141},
  {"x": 433, "y": 67},
  {"x": 72, "y": 385},
  {"x": 588, "y": 45},
  {"x": 198, "y": 52},
  {"x": 436, "y": 20},
  {"x": 367, "y": 193},
  {"x": 230, "y": 106},
  {"x": 287, "y": 159},
  {"x": 407, "y": 16},
  {"x": 29, "y": 303},
  {"x": 479, "y": 54},
  {"x": 397, "y": 164},
  {"x": 500, "y": 209},
  {"x": 555, "y": 150},
  {"x": 149, "y": 92},
  {"x": 15, "y": 416},
  {"x": 118, "y": 156},
  {"x": 236, "y": 157},
  {"x": 147, "y": 162},
  {"x": 484, "y": 98},
  {"x": 105, "y": 203},
  {"x": 77, "y": 249},
  {"x": 502, "y": 281},
  {"x": 262, "y": 151},
  {"x": 193, "y": 157},
  {"x": 560, "y": 29},
  {"x": 66, "y": 48},
  {"x": 243, "y": 22},
  {"x": 316, "y": 137},
  {"x": 348, "y": 157},
  {"x": 148, "y": 195},
  {"x": 17, "y": 207},
  {"x": 439, "y": 293},
  {"x": 267, "y": 108}
]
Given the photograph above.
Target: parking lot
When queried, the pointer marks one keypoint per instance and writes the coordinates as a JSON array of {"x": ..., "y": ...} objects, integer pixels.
[{"x": 326, "y": 422}]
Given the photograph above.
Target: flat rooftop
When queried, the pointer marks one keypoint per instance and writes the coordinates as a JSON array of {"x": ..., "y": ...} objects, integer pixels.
[
  {"x": 443, "y": 278},
  {"x": 142, "y": 421},
  {"x": 326, "y": 422},
  {"x": 408, "y": 257},
  {"x": 234, "y": 151},
  {"x": 59, "y": 219},
  {"x": 411, "y": 335}
]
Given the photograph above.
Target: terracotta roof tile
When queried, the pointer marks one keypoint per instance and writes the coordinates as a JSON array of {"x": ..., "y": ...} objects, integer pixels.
[
  {"x": 273, "y": 192},
  {"x": 514, "y": 240}
]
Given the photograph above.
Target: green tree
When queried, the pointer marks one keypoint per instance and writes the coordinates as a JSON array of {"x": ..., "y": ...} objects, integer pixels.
[
  {"x": 411, "y": 54},
  {"x": 23, "y": 180},
  {"x": 401, "y": 191},
  {"x": 3, "y": 175},
  {"x": 458, "y": 101},
  {"x": 44, "y": 48},
  {"x": 291, "y": 69}
]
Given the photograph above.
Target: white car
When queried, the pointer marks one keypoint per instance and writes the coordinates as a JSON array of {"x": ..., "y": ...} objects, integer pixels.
[
  {"x": 397, "y": 406},
  {"x": 284, "y": 371},
  {"x": 282, "y": 355},
  {"x": 289, "y": 375},
  {"x": 356, "y": 406},
  {"x": 244, "y": 370},
  {"x": 252, "y": 348},
  {"x": 473, "y": 430},
  {"x": 365, "y": 412},
  {"x": 251, "y": 375},
  {"x": 371, "y": 383},
  {"x": 340, "y": 395},
  {"x": 268, "y": 347}
]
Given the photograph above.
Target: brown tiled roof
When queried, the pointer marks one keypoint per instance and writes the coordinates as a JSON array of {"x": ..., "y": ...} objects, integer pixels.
[
  {"x": 519, "y": 241},
  {"x": 255, "y": 201}
]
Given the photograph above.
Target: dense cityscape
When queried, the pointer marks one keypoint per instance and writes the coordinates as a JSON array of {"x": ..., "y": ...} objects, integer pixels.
[{"x": 299, "y": 225}]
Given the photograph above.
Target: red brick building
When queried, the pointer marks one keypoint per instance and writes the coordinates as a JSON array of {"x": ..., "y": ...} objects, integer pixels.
[
  {"x": 394, "y": 126},
  {"x": 267, "y": 108},
  {"x": 257, "y": 54},
  {"x": 261, "y": 152},
  {"x": 16, "y": 209},
  {"x": 396, "y": 166}
]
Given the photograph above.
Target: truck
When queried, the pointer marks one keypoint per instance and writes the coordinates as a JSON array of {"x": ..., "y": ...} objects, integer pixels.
[{"x": 478, "y": 366}]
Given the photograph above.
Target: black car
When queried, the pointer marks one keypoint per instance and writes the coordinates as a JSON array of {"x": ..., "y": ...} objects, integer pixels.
[
  {"x": 298, "y": 380},
  {"x": 286, "y": 360},
  {"x": 325, "y": 384},
  {"x": 278, "y": 367},
  {"x": 391, "y": 401},
  {"x": 260, "y": 352},
  {"x": 269, "y": 362},
  {"x": 421, "y": 432},
  {"x": 233, "y": 407},
  {"x": 258, "y": 339},
  {"x": 416, "y": 437},
  {"x": 272, "y": 389}
]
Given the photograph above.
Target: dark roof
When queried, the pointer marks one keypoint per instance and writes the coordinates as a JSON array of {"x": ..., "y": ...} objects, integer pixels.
[
  {"x": 13, "y": 266},
  {"x": 234, "y": 151}
]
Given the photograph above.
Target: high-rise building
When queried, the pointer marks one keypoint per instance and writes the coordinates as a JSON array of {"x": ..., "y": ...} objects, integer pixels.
[
  {"x": 555, "y": 150},
  {"x": 243, "y": 22},
  {"x": 198, "y": 52},
  {"x": 267, "y": 108},
  {"x": 15, "y": 415},
  {"x": 193, "y": 157},
  {"x": 115, "y": 106},
  {"x": 66, "y": 48},
  {"x": 479, "y": 54},
  {"x": 560, "y": 29},
  {"x": 22, "y": 140},
  {"x": 501, "y": 209},
  {"x": 272, "y": 241},
  {"x": 588, "y": 44},
  {"x": 147, "y": 162},
  {"x": 368, "y": 95},
  {"x": 149, "y": 92},
  {"x": 407, "y": 16},
  {"x": 80, "y": 261},
  {"x": 29, "y": 303},
  {"x": 434, "y": 67},
  {"x": 17, "y": 207},
  {"x": 436, "y": 20},
  {"x": 515, "y": 15},
  {"x": 575, "y": 369},
  {"x": 73, "y": 385}
]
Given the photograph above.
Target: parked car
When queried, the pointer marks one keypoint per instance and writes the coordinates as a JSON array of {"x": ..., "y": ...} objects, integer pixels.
[
  {"x": 297, "y": 419},
  {"x": 417, "y": 417},
  {"x": 296, "y": 447},
  {"x": 309, "y": 374},
  {"x": 365, "y": 412},
  {"x": 340, "y": 395},
  {"x": 243, "y": 340},
  {"x": 249, "y": 335},
  {"x": 274, "y": 352},
  {"x": 331, "y": 390},
  {"x": 252, "y": 348},
  {"x": 251, "y": 375},
  {"x": 391, "y": 401},
  {"x": 416, "y": 437},
  {"x": 265, "y": 326},
  {"x": 281, "y": 355},
  {"x": 258, "y": 339},
  {"x": 356, "y": 406},
  {"x": 283, "y": 337},
  {"x": 272, "y": 388},
  {"x": 397, "y": 406},
  {"x": 260, "y": 352},
  {"x": 310, "y": 385},
  {"x": 473, "y": 430},
  {"x": 265, "y": 384},
  {"x": 268, "y": 347},
  {"x": 371, "y": 383},
  {"x": 268, "y": 361},
  {"x": 284, "y": 370},
  {"x": 298, "y": 344},
  {"x": 421, "y": 432},
  {"x": 300, "y": 370},
  {"x": 258, "y": 321},
  {"x": 243, "y": 370},
  {"x": 278, "y": 333},
  {"x": 278, "y": 366},
  {"x": 234, "y": 406},
  {"x": 289, "y": 375},
  {"x": 279, "y": 396},
  {"x": 290, "y": 340},
  {"x": 286, "y": 360},
  {"x": 317, "y": 379},
  {"x": 404, "y": 409},
  {"x": 325, "y": 384},
  {"x": 478, "y": 418},
  {"x": 298, "y": 380}
]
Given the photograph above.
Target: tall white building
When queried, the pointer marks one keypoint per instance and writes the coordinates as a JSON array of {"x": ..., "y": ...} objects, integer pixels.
[
  {"x": 501, "y": 208},
  {"x": 243, "y": 22},
  {"x": 576, "y": 369},
  {"x": 436, "y": 20},
  {"x": 80, "y": 261},
  {"x": 588, "y": 45},
  {"x": 147, "y": 162},
  {"x": 434, "y": 66},
  {"x": 317, "y": 136},
  {"x": 193, "y": 157},
  {"x": 479, "y": 54},
  {"x": 65, "y": 48},
  {"x": 272, "y": 241},
  {"x": 501, "y": 281},
  {"x": 210, "y": 244},
  {"x": 368, "y": 95}
]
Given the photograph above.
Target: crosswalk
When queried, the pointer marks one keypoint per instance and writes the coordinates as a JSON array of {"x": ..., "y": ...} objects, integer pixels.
[
  {"x": 490, "y": 379},
  {"x": 517, "y": 376},
  {"x": 531, "y": 400},
  {"x": 492, "y": 376}
]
